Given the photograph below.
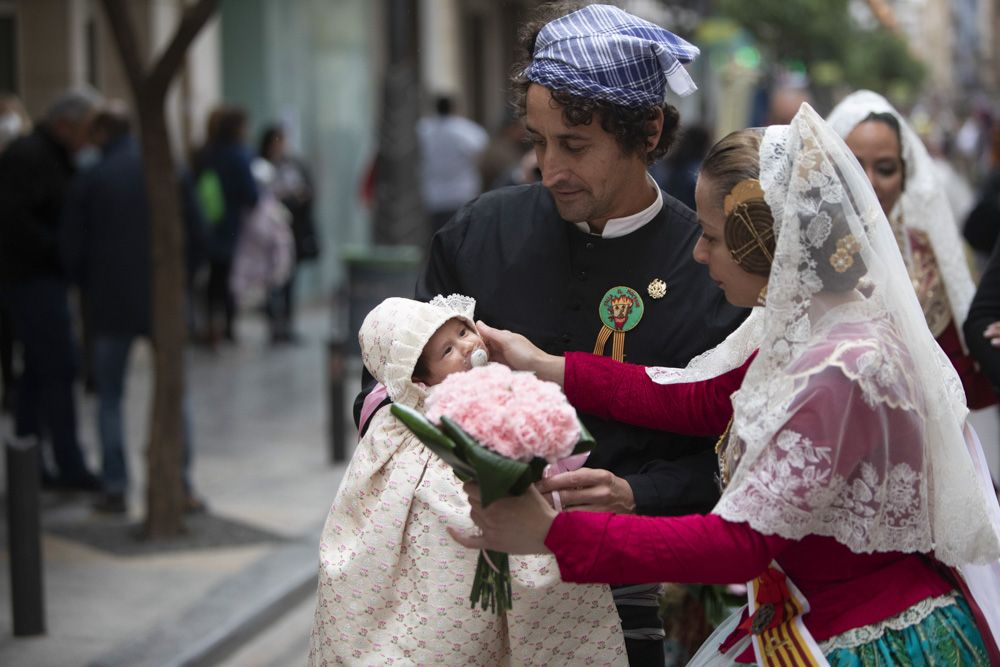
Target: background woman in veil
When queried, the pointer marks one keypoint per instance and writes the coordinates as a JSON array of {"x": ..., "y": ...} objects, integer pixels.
[
  {"x": 910, "y": 194},
  {"x": 851, "y": 502}
]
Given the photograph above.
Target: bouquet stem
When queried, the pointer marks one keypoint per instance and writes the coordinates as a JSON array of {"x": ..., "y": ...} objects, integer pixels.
[{"x": 491, "y": 585}]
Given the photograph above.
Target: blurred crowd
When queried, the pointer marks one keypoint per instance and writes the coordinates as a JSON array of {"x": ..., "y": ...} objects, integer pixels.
[{"x": 76, "y": 266}]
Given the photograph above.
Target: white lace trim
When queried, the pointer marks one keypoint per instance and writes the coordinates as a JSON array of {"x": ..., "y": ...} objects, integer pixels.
[{"x": 907, "y": 618}]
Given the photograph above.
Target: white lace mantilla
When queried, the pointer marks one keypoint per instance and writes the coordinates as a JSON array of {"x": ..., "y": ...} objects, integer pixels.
[
  {"x": 869, "y": 633},
  {"x": 848, "y": 422}
]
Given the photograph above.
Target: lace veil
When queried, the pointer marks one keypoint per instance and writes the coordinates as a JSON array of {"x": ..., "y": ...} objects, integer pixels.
[
  {"x": 923, "y": 205},
  {"x": 849, "y": 421}
]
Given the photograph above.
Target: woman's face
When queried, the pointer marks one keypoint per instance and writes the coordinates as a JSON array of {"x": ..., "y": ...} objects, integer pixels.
[
  {"x": 877, "y": 148},
  {"x": 741, "y": 287}
]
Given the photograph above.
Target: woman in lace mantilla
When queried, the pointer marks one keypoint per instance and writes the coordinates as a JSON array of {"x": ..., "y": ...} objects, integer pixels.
[
  {"x": 854, "y": 502},
  {"x": 909, "y": 192}
]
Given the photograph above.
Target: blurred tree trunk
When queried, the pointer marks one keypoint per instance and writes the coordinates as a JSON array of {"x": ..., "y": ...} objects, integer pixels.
[
  {"x": 399, "y": 217},
  {"x": 149, "y": 84}
]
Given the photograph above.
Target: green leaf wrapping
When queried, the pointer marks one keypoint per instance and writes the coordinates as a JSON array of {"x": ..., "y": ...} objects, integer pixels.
[
  {"x": 496, "y": 474},
  {"x": 586, "y": 442},
  {"x": 434, "y": 440}
]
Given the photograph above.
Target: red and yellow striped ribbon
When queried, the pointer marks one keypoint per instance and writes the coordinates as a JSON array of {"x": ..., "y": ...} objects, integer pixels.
[
  {"x": 617, "y": 343},
  {"x": 784, "y": 641}
]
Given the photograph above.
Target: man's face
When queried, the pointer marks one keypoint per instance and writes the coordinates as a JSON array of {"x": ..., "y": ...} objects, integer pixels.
[
  {"x": 583, "y": 166},
  {"x": 73, "y": 135}
]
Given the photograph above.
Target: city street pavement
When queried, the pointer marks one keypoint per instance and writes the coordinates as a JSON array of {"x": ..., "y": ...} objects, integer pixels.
[{"x": 245, "y": 575}]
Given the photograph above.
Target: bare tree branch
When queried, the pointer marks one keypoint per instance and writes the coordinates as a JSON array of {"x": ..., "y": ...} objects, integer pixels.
[
  {"x": 121, "y": 27},
  {"x": 194, "y": 19}
]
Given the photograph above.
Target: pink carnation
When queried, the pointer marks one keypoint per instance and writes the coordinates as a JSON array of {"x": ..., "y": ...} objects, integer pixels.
[{"x": 513, "y": 413}]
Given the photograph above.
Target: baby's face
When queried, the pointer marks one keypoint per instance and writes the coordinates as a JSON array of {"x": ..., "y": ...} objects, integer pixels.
[{"x": 450, "y": 351}]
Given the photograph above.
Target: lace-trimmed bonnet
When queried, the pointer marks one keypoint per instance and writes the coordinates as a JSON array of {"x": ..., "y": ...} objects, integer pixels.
[{"x": 395, "y": 333}]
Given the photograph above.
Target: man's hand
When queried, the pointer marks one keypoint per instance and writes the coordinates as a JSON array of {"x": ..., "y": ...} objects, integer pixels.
[
  {"x": 590, "y": 490},
  {"x": 993, "y": 333}
]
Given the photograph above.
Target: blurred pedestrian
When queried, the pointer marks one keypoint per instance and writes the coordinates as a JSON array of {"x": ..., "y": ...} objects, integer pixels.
[
  {"x": 265, "y": 251},
  {"x": 499, "y": 163},
  {"x": 982, "y": 226},
  {"x": 678, "y": 171},
  {"x": 35, "y": 172},
  {"x": 105, "y": 245},
  {"x": 293, "y": 187},
  {"x": 227, "y": 193},
  {"x": 14, "y": 123},
  {"x": 449, "y": 149}
]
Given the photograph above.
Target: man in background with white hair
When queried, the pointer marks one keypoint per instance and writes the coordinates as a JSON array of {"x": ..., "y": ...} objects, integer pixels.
[{"x": 35, "y": 172}]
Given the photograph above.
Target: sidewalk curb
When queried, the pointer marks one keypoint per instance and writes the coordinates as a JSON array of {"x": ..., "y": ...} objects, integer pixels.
[{"x": 209, "y": 630}]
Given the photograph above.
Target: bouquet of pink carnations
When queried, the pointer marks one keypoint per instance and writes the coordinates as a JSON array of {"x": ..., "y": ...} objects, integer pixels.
[{"x": 499, "y": 428}]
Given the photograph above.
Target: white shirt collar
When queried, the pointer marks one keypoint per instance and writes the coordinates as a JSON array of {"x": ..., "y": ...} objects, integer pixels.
[{"x": 616, "y": 227}]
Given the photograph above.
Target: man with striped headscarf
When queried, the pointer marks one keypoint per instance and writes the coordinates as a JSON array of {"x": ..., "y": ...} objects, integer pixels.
[{"x": 545, "y": 259}]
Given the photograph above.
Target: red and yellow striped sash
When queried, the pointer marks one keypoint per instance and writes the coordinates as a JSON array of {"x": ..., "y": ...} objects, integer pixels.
[{"x": 780, "y": 639}]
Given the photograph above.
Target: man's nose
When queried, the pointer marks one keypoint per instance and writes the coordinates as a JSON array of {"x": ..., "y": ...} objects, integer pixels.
[{"x": 552, "y": 168}]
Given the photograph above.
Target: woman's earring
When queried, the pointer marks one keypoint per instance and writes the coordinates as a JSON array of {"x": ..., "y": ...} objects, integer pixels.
[{"x": 762, "y": 296}]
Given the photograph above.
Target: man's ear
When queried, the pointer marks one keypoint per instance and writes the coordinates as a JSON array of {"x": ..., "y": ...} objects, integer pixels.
[{"x": 655, "y": 129}]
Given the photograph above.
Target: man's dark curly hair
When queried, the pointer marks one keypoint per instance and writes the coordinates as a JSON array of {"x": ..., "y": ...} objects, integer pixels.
[{"x": 629, "y": 126}]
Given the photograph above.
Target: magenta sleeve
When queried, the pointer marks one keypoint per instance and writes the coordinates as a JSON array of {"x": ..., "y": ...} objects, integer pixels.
[
  {"x": 597, "y": 547},
  {"x": 624, "y": 392}
]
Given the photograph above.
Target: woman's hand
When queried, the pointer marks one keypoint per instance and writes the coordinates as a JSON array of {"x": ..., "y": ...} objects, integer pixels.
[
  {"x": 516, "y": 351},
  {"x": 513, "y": 525},
  {"x": 993, "y": 333}
]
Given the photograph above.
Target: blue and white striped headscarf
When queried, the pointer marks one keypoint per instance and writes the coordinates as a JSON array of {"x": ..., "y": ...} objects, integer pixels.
[{"x": 601, "y": 52}]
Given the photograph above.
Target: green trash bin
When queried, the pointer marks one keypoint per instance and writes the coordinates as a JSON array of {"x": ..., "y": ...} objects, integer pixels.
[{"x": 374, "y": 274}]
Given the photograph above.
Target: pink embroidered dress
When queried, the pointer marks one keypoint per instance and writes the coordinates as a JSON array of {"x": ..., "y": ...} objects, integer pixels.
[{"x": 393, "y": 585}]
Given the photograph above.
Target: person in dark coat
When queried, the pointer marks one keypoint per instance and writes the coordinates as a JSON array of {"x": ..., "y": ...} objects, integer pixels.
[
  {"x": 597, "y": 258},
  {"x": 226, "y": 192},
  {"x": 35, "y": 172},
  {"x": 105, "y": 244}
]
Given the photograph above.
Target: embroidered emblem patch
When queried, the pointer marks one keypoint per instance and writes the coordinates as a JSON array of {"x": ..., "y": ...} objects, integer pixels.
[
  {"x": 657, "y": 289},
  {"x": 621, "y": 309}
]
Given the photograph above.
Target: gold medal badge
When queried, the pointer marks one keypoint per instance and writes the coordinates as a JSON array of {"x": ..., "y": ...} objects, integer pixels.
[{"x": 657, "y": 288}]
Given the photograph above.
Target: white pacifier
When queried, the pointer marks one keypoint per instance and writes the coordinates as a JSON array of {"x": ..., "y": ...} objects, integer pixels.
[{"x": 479, "y": 358}]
